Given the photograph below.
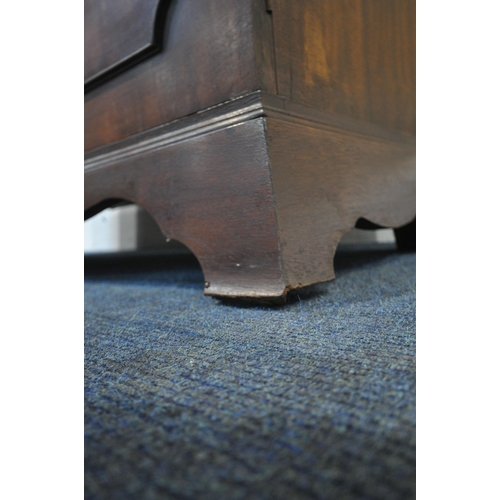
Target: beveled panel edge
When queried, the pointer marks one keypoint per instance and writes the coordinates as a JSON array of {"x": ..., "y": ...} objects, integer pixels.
[{"x": 150, "y": 48}]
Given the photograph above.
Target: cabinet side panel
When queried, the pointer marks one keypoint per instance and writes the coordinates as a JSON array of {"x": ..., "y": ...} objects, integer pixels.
[
  {"x": 324, "y": 180},
  {"x": 352, "y": 57}
]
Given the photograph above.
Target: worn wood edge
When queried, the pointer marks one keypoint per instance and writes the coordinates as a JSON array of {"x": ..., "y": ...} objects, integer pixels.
[
  {"x": 243, "y": 294},
  {"x": 263, "y": 297},
  {"x": 221, "y": 116}
]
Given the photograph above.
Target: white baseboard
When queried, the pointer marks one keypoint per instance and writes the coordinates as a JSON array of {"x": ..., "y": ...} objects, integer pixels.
[{"x": 112, "y": 230}]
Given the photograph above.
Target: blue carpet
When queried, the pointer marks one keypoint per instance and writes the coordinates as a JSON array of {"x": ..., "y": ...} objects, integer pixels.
[{"x": 187, "y": 397}]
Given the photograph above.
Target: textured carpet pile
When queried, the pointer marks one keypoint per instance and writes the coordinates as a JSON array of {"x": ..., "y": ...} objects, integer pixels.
[{"x": 187, "y": 397}]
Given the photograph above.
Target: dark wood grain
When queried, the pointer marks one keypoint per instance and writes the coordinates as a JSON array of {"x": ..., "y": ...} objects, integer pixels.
[
  {"x": 347, "y": 57},
  {"x": 120, "y": 34},
  {"x": 212, "y": 193},
  {"x": 206, "y": 121},
  {"x": 263, "y": 36},
  {"x": 324, "y": 180},
  {"x": 208, "y": 58},
  {"x": 351, "y": 57}
]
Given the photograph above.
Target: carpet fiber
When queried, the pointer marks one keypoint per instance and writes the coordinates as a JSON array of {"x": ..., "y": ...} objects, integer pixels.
[{"x": 187, "y": 397}]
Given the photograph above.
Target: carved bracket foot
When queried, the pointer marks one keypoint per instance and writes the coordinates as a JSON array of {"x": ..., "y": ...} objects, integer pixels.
[{"x": 261, "y": 190}]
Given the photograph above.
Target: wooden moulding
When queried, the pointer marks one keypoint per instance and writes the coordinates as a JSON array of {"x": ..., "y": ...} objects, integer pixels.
[{"x": 261, "y": 189}]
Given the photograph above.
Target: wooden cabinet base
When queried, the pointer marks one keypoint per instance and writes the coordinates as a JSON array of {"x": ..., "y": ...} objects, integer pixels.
[{"x": 260, "y": 188}]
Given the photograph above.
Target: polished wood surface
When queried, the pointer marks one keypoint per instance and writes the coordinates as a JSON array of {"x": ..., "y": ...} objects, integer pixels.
[
  {"x": 120, "y": 34},
  {"x": 207, "y": 58},
  {"x": 351, "y": 57}
]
